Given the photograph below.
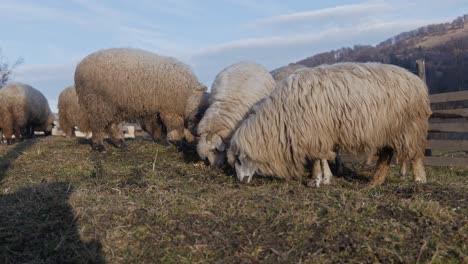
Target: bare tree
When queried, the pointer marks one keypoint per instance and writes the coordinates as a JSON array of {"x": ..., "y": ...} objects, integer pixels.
[{"x": 7, "y": 69}]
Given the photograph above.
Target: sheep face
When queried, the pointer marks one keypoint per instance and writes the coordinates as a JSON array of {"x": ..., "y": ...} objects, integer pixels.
[
  {"x": 212, "y": 147},
  {"x": 245, "y": 169},
  {"x": 244, "y": 165}
]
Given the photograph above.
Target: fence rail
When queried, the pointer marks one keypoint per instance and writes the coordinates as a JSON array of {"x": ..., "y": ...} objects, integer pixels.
[{"x": 447, "y": 143}]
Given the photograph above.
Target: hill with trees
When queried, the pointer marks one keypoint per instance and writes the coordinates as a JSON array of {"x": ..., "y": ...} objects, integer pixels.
[{"x": 444, "y": 47}]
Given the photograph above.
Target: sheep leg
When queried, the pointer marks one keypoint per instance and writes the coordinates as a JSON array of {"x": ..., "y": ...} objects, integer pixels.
[
  {"x": 338, "y": 165},
  {"x": 98, "y": 141},
  {"x": 327, "y": 174},
  {"x": 116, "y": 136},
  {"x": 383, "y": 164},
  {"x": 17, "y": 131},
  {"x": 30, "y": 131},
  {"x": 158, "y": 129},
  {"x": 8, "y": 133},
  {"x": 72, "y": 132},
  {"x": 69, "y": 131},
  {"x": 370, "y": 159},
  {"x": 316, "y": 175},
  {"x": 402, "y": 168},
  {"x": 175, "y": 126},
  {"x": 418, "y": 170}
]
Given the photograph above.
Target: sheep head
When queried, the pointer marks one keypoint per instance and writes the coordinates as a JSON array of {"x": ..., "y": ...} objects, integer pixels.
[{"x": 212, "y": 147}]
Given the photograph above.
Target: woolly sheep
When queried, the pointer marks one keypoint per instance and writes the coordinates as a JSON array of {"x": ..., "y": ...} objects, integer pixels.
[
  {"x": 118, "y": 85},
  {"x": 71, "y": 115},
  {"x": 356, "y": 107},
  {"x": 235, "y": 90},
  {"x": 24, "y": 110}
]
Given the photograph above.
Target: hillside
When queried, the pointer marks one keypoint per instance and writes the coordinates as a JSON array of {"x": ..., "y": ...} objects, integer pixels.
[{"x": 443, "y": 46}]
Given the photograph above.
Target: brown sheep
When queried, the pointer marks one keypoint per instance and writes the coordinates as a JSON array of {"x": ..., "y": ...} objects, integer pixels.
[
  {"x": 24, "y": 110},
  {"x": 118, "y": 85},
  {"x": 70, "y": 113}
]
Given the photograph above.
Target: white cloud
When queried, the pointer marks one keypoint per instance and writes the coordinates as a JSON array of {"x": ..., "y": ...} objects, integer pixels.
[{"x": 337, "y": 13}]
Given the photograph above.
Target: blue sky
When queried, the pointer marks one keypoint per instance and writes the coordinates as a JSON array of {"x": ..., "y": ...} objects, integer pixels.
[{"x": 53, "y": 36}]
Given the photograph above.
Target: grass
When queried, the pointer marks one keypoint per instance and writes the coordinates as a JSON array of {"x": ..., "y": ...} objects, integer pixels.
[{"x": 62, "y": 203}]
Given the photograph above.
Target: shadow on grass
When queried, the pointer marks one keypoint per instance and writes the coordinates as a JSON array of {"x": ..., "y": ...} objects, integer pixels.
[
  {"x": 352, "y": 173},
  {"x": 37, "y": 225},
  {"x": 13, "y": 152},
  {"x": 189, "y": 151}
]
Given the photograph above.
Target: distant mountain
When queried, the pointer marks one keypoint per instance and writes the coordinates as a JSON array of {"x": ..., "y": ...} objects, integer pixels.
[{"x": 443, "y": 46}]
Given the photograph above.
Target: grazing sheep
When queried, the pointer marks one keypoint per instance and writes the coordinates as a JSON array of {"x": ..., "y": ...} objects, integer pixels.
[
  {"x": 71, "y": 114},
  {"x": 118, "y": 85},
  {"x": 356, "y": 107},
  {"x": 24, "y": 110},
  {"x": 283, "y": 72},
  {"x": 235, "y": 90}
]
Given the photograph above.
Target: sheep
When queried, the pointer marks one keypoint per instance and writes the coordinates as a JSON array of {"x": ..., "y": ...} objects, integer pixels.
[
  {"x": 124, "y": 84},
  {"x": 283, "y": 72},
  {"x": 235, "y": 90},
  {"x": 355, "y": 107},
  {"x": 71, "y": 115},
  {"x": 24, "y": 110}
]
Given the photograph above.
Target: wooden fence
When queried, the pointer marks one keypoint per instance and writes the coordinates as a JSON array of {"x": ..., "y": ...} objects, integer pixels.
[{"x": 448, "y": 132}]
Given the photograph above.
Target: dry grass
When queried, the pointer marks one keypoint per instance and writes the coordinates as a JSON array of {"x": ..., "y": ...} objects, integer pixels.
[{"x": 62, "y": 203}]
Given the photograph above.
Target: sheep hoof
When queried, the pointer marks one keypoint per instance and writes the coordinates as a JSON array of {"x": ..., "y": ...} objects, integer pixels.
[
  {"x": 314, "y": 183},
  {"x": 100, "y": 148},
  {"x": 122, "y": 144},
  {"x": 421, "y": 181}
]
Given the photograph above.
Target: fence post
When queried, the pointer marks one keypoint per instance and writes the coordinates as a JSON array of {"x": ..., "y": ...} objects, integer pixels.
[{"x": 421, "y": 69}]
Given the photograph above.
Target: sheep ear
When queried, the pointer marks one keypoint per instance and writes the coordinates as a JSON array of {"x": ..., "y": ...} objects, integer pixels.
[
  {"x": 218, "y": 143},
  {"x": 221, "y": 147}
]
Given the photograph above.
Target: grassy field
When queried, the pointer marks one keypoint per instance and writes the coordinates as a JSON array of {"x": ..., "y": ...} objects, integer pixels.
[{"x": 62, "y": 203}]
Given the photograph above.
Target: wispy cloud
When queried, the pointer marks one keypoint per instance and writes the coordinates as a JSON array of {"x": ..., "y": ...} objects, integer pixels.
[
  {"x": 327, "y": 34},
  {"x": 338, "y": 12}
]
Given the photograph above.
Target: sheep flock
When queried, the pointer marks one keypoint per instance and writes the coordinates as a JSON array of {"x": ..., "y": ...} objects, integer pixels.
[{"x": 285, "y": 124}]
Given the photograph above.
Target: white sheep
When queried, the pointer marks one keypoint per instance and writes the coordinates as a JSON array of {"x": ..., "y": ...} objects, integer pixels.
[
  {"x": 356, "y": 107},
  {"x": 235, "y": 90}
]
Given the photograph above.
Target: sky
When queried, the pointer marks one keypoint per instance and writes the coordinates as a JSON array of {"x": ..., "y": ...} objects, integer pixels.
[{"x": 209, "y": 35}]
